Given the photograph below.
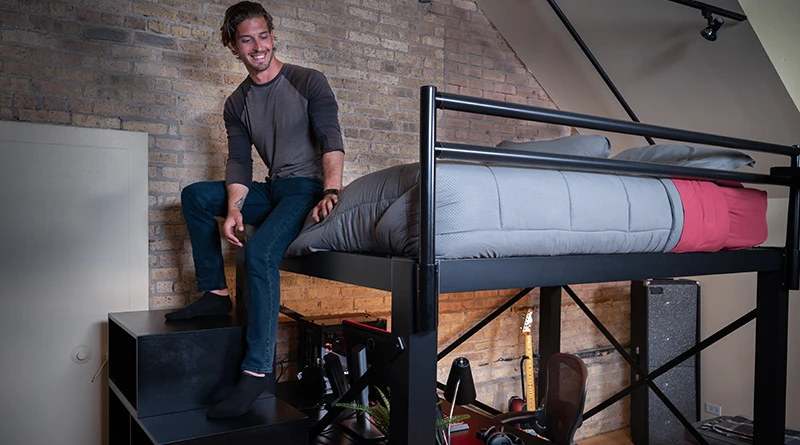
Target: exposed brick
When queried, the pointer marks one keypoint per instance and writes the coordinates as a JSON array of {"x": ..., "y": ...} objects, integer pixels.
[
  {"x": 156, "y": 70},
  {"x": 181, "y": 32},
  {"x": 25, "y": 69},
  {"x": 60, "y": 117},
  {"x": 155, "y": 40},
  {"x": 118, "y": 6},
  {"x": 158, "y": 26},
  {"x": 60, "y": 10},
  {"x": 155, "y": 11},
  {"x": 14, "y": 19},
  {"x": 83, "y": 120},
  {"x": 202, "y": 75},
  {"x": 28, "y": 101},
  {"x": 12, "y": 52},
  {"x": 113, "y": 35},
  {"x": 149, "y": 127},
  {"x": 208, "y": 21}
]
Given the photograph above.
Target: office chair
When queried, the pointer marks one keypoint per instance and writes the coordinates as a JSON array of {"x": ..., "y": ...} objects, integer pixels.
[{"x": 562, "y": 411}]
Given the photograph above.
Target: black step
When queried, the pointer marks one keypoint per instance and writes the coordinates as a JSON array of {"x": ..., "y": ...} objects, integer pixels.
[
  {"x": 164, "y": 367},
  {"x": 270, "y": 421}
]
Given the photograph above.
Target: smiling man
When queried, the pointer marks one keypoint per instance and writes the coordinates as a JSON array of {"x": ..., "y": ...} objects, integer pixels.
[{"x": 290, "y": 115}]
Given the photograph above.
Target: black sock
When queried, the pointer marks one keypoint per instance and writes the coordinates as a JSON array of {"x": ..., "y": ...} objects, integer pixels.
[
  {"x": 246, "y": 392},
  {"x": 209, "y": 304}
]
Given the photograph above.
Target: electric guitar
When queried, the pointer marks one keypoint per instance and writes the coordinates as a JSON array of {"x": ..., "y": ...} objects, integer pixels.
[{"x": 529, "y": 403}]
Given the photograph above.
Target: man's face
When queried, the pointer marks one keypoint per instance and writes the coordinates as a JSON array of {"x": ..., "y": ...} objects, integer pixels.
[{"x": 254, "y": 44}]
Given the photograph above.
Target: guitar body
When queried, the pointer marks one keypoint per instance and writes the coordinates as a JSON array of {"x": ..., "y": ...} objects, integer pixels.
[{"x": 517, "y": 404}]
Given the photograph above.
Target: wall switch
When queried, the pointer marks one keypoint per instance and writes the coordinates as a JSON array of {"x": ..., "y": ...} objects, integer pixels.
[{"x": 713, "y": 409}]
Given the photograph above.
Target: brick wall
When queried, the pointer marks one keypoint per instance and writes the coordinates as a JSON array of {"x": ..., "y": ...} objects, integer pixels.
[{"x": 158, "y": 67}]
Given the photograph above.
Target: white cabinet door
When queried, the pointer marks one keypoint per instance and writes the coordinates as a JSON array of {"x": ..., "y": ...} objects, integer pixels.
[{"x": 73, "y": 247}]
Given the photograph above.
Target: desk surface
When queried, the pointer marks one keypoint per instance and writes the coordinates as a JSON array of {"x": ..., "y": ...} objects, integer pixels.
[{"x": 476, "y": 421}]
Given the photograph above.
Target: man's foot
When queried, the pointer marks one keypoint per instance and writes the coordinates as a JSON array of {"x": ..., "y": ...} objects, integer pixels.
[
  {"x": 246, "y": 392},
  {"x": 209, "y": 304}
]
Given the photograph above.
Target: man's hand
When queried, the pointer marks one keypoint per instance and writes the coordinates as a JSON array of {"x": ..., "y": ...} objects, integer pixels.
[
  {"x": 325, "y": 207},
  {"x": 233, "y": 222}
]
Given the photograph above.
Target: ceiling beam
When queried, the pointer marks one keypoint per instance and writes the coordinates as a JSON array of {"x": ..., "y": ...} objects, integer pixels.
[{"x": 711, "y": 8}]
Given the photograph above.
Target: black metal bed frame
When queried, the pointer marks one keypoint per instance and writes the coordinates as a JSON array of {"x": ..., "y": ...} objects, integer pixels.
[{"x": 415, "y": 283}]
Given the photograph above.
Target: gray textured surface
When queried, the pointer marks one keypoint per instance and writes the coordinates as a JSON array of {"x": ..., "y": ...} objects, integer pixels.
[
  {"x": 672, "y": 329},
  {"x": 487, "y": 211}
]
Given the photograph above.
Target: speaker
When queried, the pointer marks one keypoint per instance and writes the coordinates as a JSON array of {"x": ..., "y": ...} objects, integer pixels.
[{"x": 665, "y": 322}]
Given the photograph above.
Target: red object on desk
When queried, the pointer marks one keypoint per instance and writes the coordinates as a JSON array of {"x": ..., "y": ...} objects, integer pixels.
[{"x": 477, "y": 421}]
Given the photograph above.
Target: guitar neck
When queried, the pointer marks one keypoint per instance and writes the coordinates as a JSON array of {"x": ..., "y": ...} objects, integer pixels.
[{"x": 530, "y": 386}]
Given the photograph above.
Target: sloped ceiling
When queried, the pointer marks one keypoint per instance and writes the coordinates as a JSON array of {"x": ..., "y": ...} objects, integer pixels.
[{"x": 653, "y": 51}]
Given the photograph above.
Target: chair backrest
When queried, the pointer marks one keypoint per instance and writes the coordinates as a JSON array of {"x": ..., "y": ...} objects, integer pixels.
[{"x": 565, "y": 397}]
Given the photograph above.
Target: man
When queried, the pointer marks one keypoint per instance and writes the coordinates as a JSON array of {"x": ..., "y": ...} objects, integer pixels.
[{"x": 290, "y": 115}]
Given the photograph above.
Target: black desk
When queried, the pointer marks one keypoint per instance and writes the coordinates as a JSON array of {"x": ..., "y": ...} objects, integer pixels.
[
  {"x": 339, "y": 436},
  {"x": 478, "y": 421}
]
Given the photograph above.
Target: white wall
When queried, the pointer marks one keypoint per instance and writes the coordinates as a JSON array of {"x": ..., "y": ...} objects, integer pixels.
[{"x": 73, "y": 237}]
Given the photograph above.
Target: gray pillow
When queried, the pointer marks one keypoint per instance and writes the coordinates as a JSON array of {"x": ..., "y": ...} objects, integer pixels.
[
  {"x": 592, "y": 146},
  {"x": 686, "y": 156}
]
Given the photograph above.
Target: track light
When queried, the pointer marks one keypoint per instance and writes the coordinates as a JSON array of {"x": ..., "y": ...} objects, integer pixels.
[{"x": 714, "y": 24}]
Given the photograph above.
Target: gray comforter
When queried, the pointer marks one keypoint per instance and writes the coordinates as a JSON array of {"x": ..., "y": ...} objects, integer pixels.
[{"x": 487, "y": 211}]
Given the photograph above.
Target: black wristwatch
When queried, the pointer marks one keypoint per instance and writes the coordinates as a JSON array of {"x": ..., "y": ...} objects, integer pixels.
[{"x": 327, "y": 192}]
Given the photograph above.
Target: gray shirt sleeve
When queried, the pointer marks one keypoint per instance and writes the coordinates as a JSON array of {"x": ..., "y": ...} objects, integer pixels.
[
  {"x": 239, "y": 166},
  {"x": 323, "y": 113}
]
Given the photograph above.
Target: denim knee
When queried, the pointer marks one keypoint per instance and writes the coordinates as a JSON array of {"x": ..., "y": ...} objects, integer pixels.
[
  {"x": 191, "y": 194},
  {"x": 259, "y": 258}
]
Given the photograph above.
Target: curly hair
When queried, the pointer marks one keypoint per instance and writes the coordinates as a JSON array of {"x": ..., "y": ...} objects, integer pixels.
[{"x": 238, "y": 13}]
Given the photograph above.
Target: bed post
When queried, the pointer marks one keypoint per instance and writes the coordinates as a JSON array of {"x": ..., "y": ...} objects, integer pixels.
[
  {"x": 792, "y": 264},
  {"x": 772, "y": 331},
  {"x": 415, "y": 301},
  {"x": 413, "y": 374},
  {"x": 427, "y": 300},
  {"x": 549, "y": 330}
]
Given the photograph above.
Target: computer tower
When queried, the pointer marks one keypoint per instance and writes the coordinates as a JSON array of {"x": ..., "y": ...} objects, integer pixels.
[
  {"x": 665, "y": 322},
  {"x": 318, "y": 336}
]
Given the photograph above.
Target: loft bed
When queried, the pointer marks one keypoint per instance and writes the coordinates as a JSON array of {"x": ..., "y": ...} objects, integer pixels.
[{"x": 416, "y": 281}]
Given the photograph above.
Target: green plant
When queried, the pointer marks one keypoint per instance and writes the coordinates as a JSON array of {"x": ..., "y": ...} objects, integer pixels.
[{"x": 379, "y": 414}]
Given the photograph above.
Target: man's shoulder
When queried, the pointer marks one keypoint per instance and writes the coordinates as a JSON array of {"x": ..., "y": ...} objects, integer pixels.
[
  {"x": 303, "y": 78},
  {"x": 240, "y": 92},
  {"x": 290, "y": 69}
]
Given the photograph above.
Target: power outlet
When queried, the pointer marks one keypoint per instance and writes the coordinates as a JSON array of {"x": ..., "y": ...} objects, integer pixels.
[{"x": 713, "y": 409}]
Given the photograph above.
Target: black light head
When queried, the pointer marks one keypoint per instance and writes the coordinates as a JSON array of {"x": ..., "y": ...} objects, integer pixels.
[{"x": 714, "y": 24}]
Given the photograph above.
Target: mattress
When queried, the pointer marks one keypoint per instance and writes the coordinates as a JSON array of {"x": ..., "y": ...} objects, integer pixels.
[{"x": 490, "y": 211}]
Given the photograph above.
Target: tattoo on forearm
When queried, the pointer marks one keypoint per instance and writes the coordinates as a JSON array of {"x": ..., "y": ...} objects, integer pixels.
[{"x": 239, "y": 204}]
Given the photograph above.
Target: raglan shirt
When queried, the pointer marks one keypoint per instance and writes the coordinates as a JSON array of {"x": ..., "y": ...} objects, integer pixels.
[{"x": 291, "y": 120}]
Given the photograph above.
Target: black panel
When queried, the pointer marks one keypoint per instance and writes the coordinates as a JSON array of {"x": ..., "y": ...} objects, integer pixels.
[
  {"x": 138, "y": 435},
  {"x": 364, "y": 270},
  {"x": 119, "y": 420},
  {"x": 122, "y": 360},
  {"x": 664, "y": 324},
  {"x": 269, "y": 421},
  {"x": 161, "y": 367},
  {"x": 519, "y": 272}
]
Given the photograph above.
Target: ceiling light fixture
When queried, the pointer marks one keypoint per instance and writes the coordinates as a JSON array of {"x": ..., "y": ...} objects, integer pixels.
[{"x": 714, "y": 24}]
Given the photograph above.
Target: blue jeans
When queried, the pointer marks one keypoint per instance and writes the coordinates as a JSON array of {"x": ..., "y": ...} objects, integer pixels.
[{"x": 279, "y": 207}]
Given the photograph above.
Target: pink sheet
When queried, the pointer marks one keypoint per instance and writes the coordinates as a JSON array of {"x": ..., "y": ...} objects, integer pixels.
[{"x": 720, "y": 217}]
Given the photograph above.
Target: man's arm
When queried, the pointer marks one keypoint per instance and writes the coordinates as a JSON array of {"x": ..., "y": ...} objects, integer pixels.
[
  {"x": 332, "y": 166},
  {"x": 236, "y": 196}
]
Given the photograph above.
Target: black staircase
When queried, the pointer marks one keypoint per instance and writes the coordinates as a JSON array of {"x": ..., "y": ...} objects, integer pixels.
[{"x": 163, "y": 376}]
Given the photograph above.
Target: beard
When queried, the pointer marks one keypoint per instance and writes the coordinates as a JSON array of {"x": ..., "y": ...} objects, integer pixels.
[{"x": 263, "y": 66}]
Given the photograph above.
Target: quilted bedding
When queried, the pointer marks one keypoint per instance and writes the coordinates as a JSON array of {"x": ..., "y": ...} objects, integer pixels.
[{"x": 488, "y": 211}]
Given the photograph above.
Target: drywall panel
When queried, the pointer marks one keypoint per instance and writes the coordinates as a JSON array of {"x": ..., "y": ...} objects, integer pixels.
[{"x": 73, "y": 247}]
